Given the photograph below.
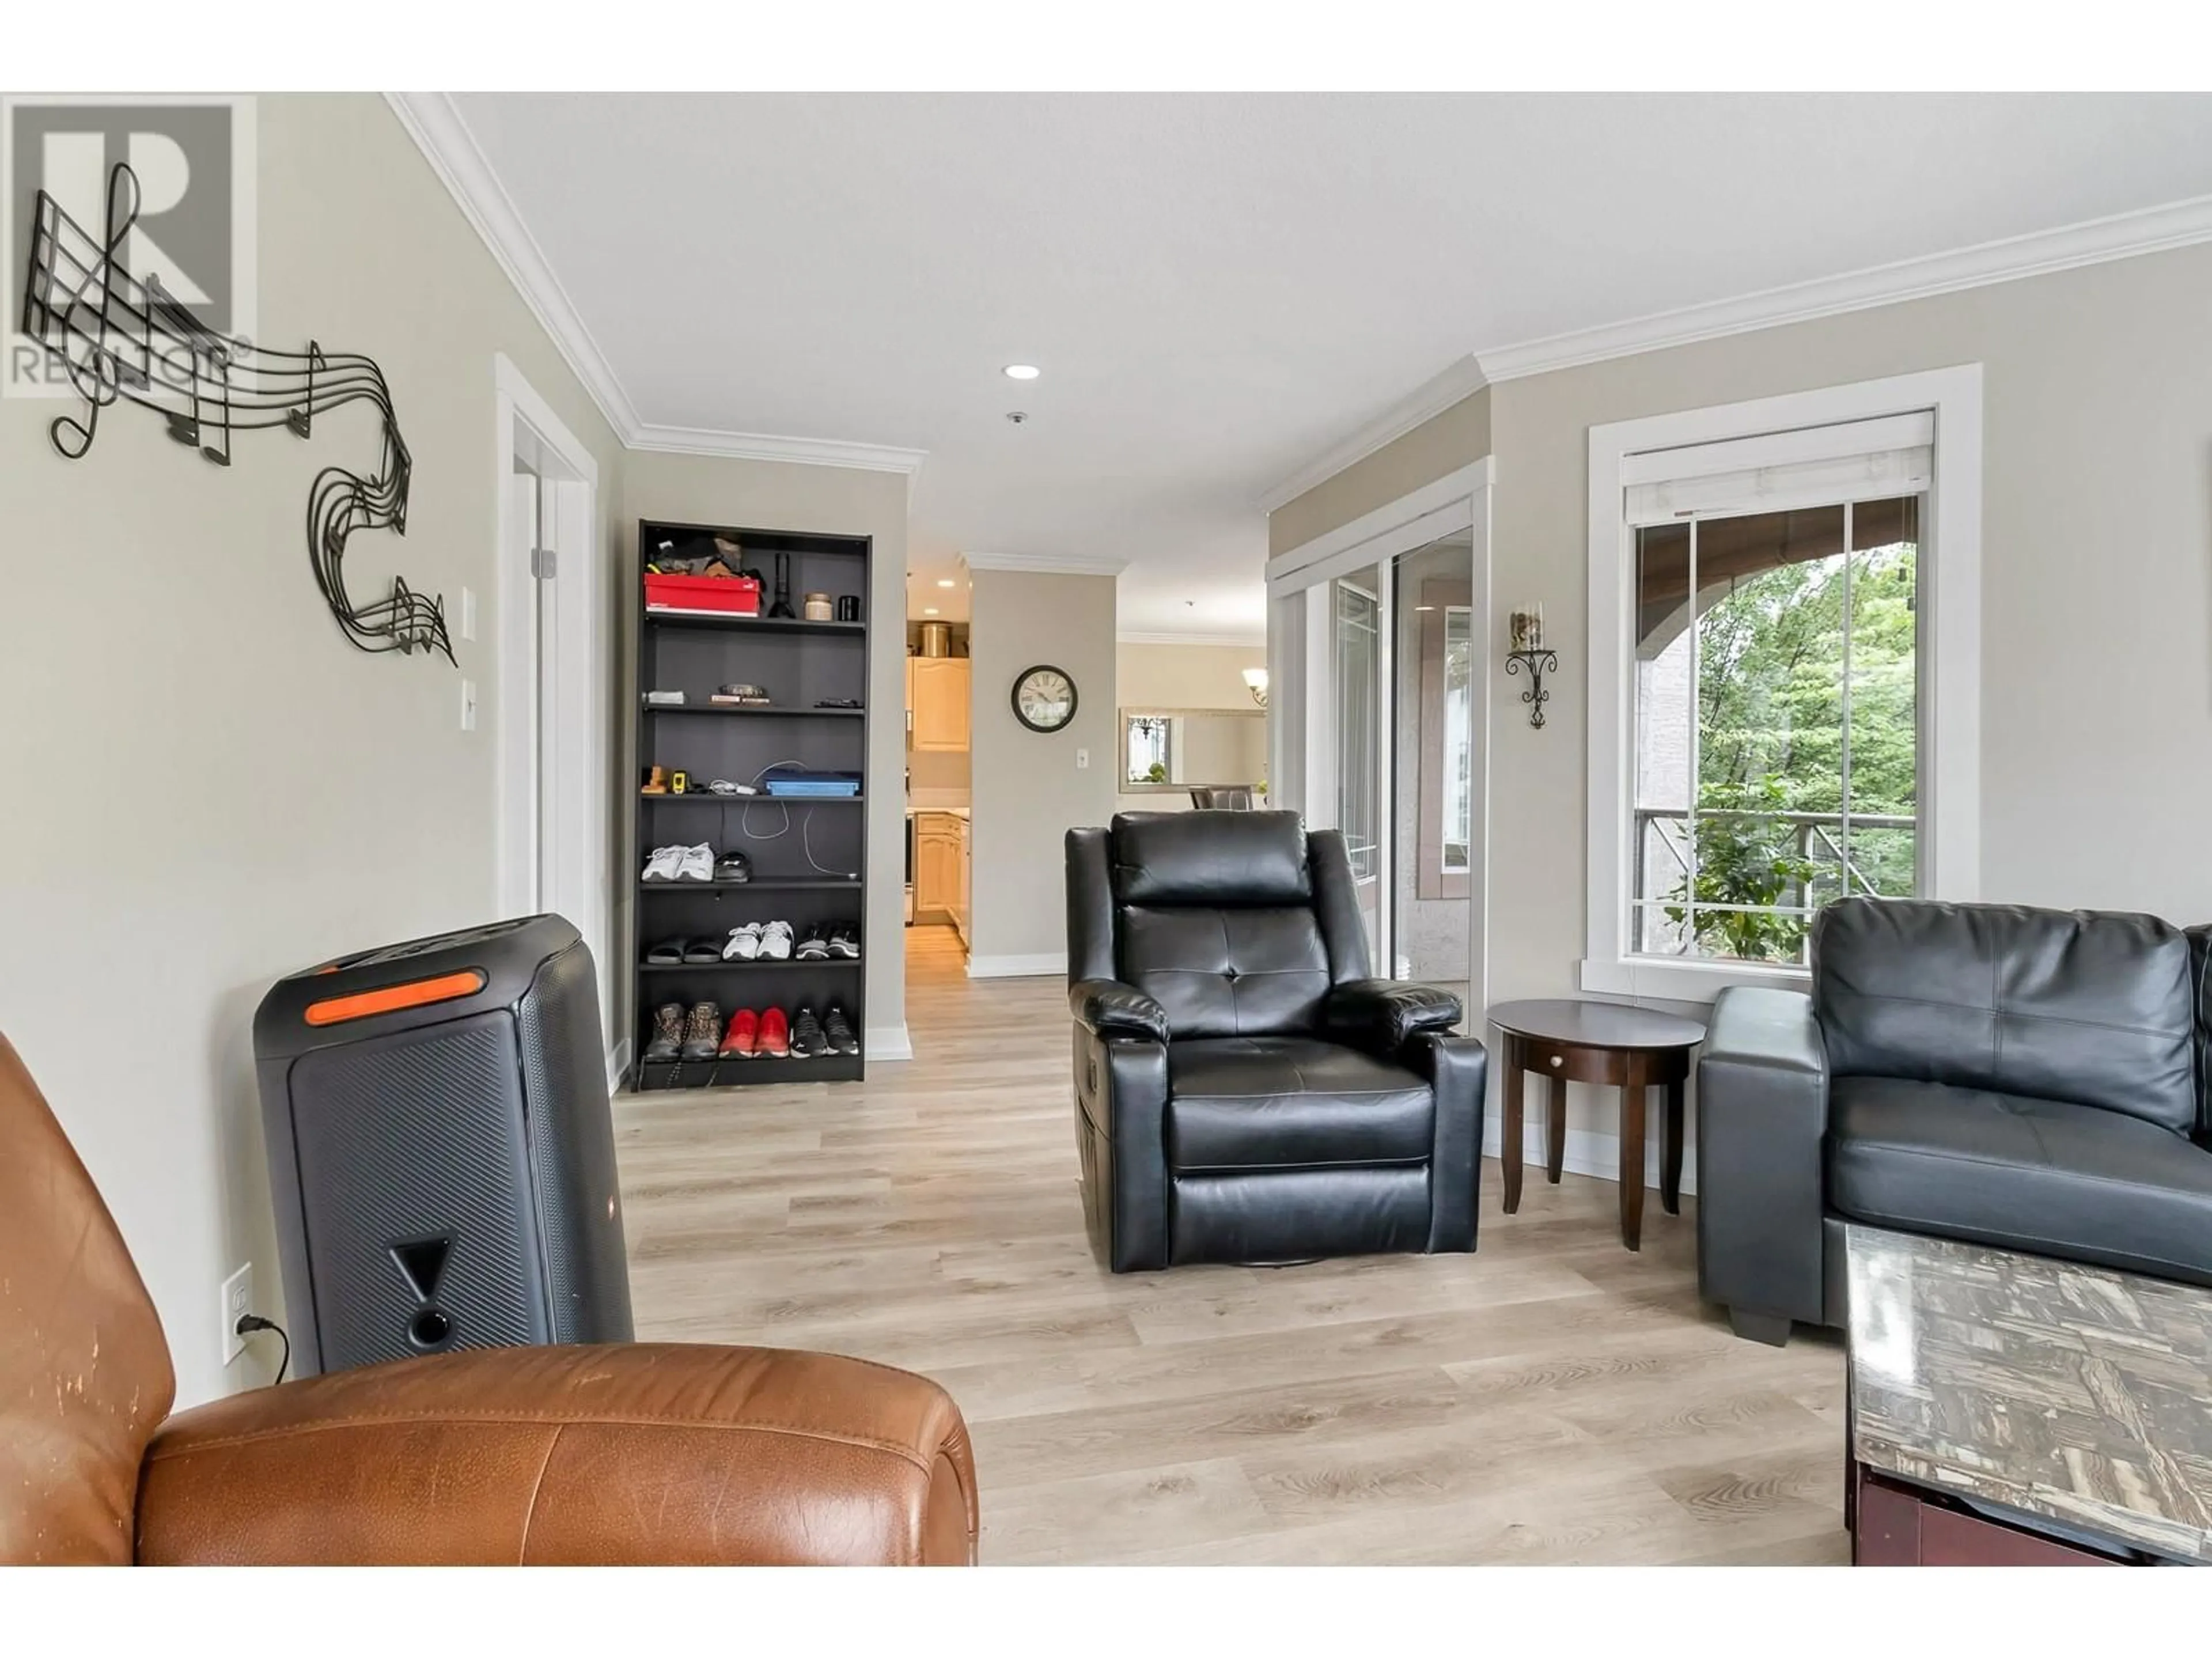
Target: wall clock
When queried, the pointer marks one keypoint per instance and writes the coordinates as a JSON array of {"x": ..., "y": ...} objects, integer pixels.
[{"x": 1044, "y": 698}]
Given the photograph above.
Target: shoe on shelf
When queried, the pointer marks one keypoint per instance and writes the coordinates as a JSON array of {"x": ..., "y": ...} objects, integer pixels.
[
  {"x": 814, "y": 947},
  {"x": 695, "y": 863},
  {"x": 669, "y": 953},
  {"x": 742, "y": 1040},
  {"x": 662, "y": 863},
  {"x": 743, "y": 943},
  {"x": 845, "y": 941},
  {"x": 703, "y": 1031},
  {"x": 775, "y": 941},
  {"x": 704, "y": 949},
  {"x": 839, "y": 1030},
  {"x": 807, "y": 1042},
  {"x": 734, "y": 866},
  {"x": 667, "y": 1040},
  {"x": 775, "y": 1035}
]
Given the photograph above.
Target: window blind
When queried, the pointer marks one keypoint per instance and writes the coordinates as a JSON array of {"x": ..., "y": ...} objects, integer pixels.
[{"x": 1816, "y": 466}]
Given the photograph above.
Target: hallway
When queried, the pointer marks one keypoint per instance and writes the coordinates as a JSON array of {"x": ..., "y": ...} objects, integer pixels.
[{"x": 1552, "y": 1398}]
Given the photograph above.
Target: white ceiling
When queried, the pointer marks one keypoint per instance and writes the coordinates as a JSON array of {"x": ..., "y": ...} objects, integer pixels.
[{"x": 1221, "y": 287}]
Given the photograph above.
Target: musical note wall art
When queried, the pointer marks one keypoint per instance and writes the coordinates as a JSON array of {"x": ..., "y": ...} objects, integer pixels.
[{"x": 122, "y": 338}]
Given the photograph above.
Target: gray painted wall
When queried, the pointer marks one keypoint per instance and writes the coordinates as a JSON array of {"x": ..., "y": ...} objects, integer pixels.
[
  {"x": 1026, "y": 790},
  {"x": 233, "y": 793},
  {"x": 2096, "y": 580}
]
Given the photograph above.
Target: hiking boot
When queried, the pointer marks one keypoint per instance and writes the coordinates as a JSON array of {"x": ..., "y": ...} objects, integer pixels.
[
  {"x": 667, "y": 1040},
  {"x": 703, "y": 1031}
]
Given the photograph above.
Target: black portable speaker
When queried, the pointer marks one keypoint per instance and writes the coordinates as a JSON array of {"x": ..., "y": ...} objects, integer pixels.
[{"x": 441, "y": 1150}]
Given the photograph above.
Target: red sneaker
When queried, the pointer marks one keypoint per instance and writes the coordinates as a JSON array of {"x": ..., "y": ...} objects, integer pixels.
[
  {"x": 775, "y": 1035},
  {"x": 742, "y": 1041}
]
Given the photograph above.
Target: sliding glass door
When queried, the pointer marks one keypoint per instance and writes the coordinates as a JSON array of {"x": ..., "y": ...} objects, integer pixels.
[
  {"x": 1356, "y": 648},
  {"x": 1432, "y": 783},
  {"x": 1382, "y": 646}
]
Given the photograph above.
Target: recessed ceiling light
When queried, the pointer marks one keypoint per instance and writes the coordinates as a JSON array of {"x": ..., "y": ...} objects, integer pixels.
[
  {"x": 944, "y": 581},
  {"x": 1021, "y": 371},
  {"x": 929, "y": 610}
]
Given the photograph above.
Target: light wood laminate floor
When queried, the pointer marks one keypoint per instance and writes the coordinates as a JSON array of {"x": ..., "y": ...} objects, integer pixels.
[{"x": 1552, "y": 1398}]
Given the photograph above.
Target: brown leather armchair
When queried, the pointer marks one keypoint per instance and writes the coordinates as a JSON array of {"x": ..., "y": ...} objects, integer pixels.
[{"x": 638, "y": 1454}]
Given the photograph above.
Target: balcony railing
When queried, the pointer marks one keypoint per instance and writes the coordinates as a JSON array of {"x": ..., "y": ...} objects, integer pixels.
[{"x": 1823, "y": 840}]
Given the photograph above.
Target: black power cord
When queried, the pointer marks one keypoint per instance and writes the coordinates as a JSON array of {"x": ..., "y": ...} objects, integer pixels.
[{"x": 249, "y": 1323}]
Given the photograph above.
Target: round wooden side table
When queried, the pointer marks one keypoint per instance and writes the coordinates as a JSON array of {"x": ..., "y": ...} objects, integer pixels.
[{"x": 1631, "y": 1048}]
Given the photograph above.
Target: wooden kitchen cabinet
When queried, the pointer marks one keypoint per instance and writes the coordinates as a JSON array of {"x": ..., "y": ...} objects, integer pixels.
[
  {"x": 939, "y": 841},
  {"x": 962, "y": 909},
  {"x": 937, "y": 696}
]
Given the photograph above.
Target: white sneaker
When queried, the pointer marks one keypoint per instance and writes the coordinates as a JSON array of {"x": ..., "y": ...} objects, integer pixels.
[
  {"x": 695, "y": 863},
  {"x": 743, "y": 944},
  {"x": 775, "y": 942},
  {"x": 662, "y": 863}
]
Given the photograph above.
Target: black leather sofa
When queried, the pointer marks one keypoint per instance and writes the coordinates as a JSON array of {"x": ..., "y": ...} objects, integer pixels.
[
  {"x": 1244, "y": 1091},
  {"x": 2031, "y": 1080}
]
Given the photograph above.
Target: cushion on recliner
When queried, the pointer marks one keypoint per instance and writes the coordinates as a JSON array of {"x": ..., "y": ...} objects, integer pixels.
[
  {"x": 2088, "y": 1006},
  {"x": 2040, "y": 1177},
  {"x": 1226, "y": 973},
  {"x": 1275, "y": 1103},
  {"x": 1188, "y": 858}
]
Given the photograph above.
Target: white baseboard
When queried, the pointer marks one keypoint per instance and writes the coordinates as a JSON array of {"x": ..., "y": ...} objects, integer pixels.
[
  {"x": 887, "y": 1042},
  {"x": 617, "y": 1063},
  {"x": 1588, "y": 1152},
  {"x": 1032, "y": 967}
]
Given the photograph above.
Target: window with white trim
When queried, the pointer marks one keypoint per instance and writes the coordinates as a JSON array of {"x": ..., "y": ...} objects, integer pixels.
[
  {"x": 1776, "y": 645},
  {"x": 1764, "y": 736}
]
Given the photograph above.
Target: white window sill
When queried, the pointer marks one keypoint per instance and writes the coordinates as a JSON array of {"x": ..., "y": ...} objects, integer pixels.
[{"x": 1642, "y": 977}]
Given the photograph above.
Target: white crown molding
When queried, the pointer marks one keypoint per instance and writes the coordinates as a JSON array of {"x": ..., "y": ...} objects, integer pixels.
[
  {"x": 1241, "y": 642},
  {"x": 766, "y": 446},
  {"x": 1434, "y": 396},
  {"x": 446, "y": 142},
  {"x": 2121, "y": 236},
  {"x": 439, "y": 131},
  {"x": 1064, "y": 564}
]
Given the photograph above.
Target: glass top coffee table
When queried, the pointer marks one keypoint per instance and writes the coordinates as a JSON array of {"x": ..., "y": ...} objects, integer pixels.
[{"x": 2029, "y": 1408}]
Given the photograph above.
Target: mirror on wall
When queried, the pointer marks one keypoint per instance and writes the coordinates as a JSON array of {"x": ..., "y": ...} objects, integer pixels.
[{"x": 1181, "y": 749}]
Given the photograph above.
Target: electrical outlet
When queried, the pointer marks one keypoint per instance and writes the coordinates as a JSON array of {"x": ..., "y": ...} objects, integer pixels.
[
  {"x": 468, "y": 705},
  {"x": 237, "y": 1302}
]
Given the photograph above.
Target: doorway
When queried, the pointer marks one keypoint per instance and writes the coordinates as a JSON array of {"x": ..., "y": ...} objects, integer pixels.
[
  {"x": 555, "y": 667},
  {"x": 1378, "y": 635}
]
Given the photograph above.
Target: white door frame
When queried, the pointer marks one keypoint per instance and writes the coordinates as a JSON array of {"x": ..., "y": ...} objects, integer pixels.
[
  {"x": 578, "y": 877},
  {"x": 1298, "y": 645}
]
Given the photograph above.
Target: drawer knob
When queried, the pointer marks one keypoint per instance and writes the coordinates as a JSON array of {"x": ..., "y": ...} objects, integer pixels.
[{"x": 1559, "y": 1059}]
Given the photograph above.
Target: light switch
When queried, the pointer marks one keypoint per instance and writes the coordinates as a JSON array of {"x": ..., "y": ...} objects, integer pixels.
[
  {"x": 1082, "y": 760},
  {"x": 468, "y": 705},
  {"x": 468, "y": 613}
]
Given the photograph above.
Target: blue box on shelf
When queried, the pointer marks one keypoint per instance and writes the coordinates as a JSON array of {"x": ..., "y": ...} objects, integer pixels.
[{"x": 799, "y": 785}]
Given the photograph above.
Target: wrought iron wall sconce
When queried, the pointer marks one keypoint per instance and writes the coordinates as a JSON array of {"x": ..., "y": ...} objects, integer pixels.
[
  {"x": 122, "y": 338},
  {"x": 1528, "y": 653},
  {"x": 1255, "y": 681}
]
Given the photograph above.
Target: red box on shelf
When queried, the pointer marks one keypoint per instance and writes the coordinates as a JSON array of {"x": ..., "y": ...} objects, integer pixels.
[{"x": 710, "y": 596}]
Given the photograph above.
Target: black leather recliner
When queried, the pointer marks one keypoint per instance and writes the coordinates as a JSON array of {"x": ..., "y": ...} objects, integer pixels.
[
  {"x": 2030, "y": 1080},
  {"x": 1244, "y": 1091}
]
